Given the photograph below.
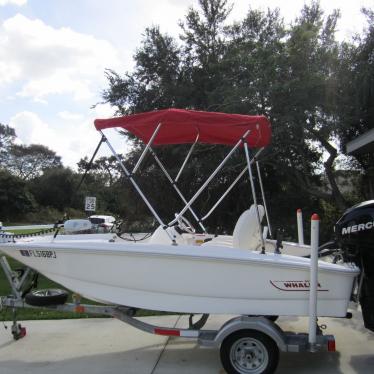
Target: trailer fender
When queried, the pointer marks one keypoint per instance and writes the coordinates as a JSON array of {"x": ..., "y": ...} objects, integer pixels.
[{"x": 261, "y": 324}]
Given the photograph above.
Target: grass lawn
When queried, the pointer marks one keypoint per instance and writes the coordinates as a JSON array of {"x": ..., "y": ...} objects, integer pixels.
[{"x": 43, "y": 282}]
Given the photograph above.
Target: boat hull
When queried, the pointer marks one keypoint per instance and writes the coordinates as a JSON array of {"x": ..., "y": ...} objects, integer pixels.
[{"x": 188, "y": 279}]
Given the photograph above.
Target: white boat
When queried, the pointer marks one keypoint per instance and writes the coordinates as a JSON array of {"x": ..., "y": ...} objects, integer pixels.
[
  {"x": 187, "y": 278},
  {"x": 178, "y": 269}
]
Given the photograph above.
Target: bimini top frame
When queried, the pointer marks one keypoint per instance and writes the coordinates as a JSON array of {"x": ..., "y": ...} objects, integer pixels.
[{"x": 176, "y": 126}]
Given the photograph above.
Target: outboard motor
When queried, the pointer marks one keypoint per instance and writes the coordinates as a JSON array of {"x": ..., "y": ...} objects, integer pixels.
[
  {"x": 78, "y": 226},
  {"x": 355, "y": 236}
]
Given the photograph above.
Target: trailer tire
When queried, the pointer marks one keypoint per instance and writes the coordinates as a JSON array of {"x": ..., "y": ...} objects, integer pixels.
[
  {"x": 47, "y": 297},
  {"x": 249, "y": 352}
]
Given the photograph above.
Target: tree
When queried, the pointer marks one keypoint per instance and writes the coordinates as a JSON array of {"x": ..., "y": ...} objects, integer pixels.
[
  {"x": 15, "y": 199},
  {"x": 156, "y": 78},
  {"x": 305, "y": 110},
  {"x": 7, "y": 136},
  {"x": 104, "y": 171},
  {"x": 356, "y": 94},
  {"x": 254, "y": 63},
  {"x": 55, "y": 188},
  {"x": 257, "y": 81},
  {"x": 28, "y": 162},
  {"x": 255, "y": 66},
  {"x": 167, "y": 75},
  {"x": 202, "y": 53}
]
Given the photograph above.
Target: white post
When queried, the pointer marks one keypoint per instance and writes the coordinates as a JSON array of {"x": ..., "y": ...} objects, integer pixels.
[
  {"x": 265, "y": 232},
  {"x": 300, "y": 229},
  {"x": 313, "y": 288}
]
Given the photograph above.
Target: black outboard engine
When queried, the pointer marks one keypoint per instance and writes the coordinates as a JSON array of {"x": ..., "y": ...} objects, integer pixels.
[{"x": 355, "y": 236}]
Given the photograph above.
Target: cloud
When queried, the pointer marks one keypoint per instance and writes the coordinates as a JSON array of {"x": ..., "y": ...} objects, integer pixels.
[
  {"x": 52, "y": 61},
  {"x": 103, "y": 111},
  {"x": 68, "y": 116},
  {"x": 13, "y": 2},
  {"x": 8, "y": 72},
  {"x": 30, "y": 129},
  {"x": 71, "y": 135},
  {"x": 60, "y": 82},
  {"x": 72, "y": 141}
]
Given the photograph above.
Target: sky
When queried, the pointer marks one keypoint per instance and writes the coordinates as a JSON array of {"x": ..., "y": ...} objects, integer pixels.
[{"x": 53, "y": 54}]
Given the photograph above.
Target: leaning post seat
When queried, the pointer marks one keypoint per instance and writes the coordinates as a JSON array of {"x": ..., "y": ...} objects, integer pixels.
[{"x": 247, "y": 234}]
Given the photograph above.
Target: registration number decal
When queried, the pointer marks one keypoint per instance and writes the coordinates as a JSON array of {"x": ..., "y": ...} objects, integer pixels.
[{"x": 38, "y": 253}]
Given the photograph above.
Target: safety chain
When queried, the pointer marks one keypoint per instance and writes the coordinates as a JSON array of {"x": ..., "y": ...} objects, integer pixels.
[{"x": 18, "y": 236}]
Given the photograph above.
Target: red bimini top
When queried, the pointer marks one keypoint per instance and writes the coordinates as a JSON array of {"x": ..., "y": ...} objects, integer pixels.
[{"x": 180, "y": 126}]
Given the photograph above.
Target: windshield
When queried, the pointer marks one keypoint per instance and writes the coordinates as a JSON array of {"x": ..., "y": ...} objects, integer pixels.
[{"x": 97, "y": 221}]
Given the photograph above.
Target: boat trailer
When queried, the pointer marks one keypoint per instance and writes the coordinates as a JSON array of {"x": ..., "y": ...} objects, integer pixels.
[{"x": 248, "y": 344}]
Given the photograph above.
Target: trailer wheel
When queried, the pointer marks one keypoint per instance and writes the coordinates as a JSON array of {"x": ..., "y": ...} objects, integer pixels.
[
  {"x": 249, "y": 352},
  {"x": 46, "y": 297}
]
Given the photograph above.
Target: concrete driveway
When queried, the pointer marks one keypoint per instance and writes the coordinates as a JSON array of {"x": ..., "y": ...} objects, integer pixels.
[{"x": 98, "y": 346}]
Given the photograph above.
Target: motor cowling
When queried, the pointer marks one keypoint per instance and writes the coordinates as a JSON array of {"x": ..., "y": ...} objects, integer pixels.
[
  {"x": 78, "y": 226},
  {"x": 355, "y": 236}
]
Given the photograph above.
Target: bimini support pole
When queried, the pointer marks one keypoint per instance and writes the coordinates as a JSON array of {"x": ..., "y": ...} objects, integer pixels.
[
  {"x": 254, "y": 195},
  {"x": 300, "y": 229},
  {"x": 187, "y": 158},
  {"x": 313, "y": 282},
  {"x": 137, "y": 188},
  {"x": 263, "y": 196},
  {"x": 231, "y": 186},
  {"x": 88, "y": 167},
  {"x": 146, "y": 149},
  {"x": 202, "y": 188},
  {"x": 162, "y": 167}
]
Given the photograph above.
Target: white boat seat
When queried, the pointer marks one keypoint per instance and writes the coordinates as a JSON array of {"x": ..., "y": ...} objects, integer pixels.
[{"x": 247, "y": 234}]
